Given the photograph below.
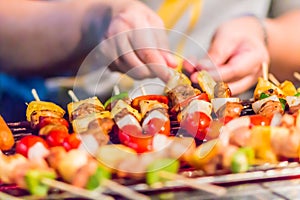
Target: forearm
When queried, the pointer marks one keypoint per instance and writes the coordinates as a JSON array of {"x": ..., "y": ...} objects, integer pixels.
[
  {"x": 284, "y": 44},
  {"x": 35, "y": 35}
]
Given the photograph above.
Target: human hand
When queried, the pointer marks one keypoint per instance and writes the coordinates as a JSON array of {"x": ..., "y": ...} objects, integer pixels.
[
  {"x": 237, "y": 50},
  {"x": 137, "y": 42}
]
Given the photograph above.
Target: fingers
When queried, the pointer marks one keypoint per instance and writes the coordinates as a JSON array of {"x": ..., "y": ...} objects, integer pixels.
[
  {"x": 239, "y": 66},
  {"x": 242, "y": 85},
  {"x": 221, "y": 49}
]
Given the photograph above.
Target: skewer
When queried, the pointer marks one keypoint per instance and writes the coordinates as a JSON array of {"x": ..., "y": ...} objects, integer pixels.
[
  {"x": 297, "y": 75},
  {"x": 143, "y": 90},
  {"x": 74, "y": 190},
  {"x": 273, "y": 79},
  {"x": 116, "y": 90},
  {"x": 73, "y": 96},
  {"x": 124, "y": 191},
  {"x": 35, "y": 95},
  {"x": 214, "y": 189},
  {"x": 8, "y": 197},
  {"x": 265, "y": 70},
  {"x": 112, "y": 185}
]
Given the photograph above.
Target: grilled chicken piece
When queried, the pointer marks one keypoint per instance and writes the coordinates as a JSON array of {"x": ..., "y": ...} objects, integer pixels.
[
  {"x": 269, "y": 108},
  {"x": 231, "y": 109}
]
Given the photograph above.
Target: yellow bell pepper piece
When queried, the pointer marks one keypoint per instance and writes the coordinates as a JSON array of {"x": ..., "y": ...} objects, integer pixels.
[
  {"x": 42, "y": 105},
  {"x": 260, "y": 141}
]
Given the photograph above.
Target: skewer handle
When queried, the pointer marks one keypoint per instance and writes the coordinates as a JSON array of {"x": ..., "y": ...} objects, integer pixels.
[
  {"x": 214, "y": 189},
  {"x": 75, "y": 190},
  {"x": 35, "y": 95},
  {"x": 8, "y": 197},
  {"x": 265, "y": 70},
  {"x": 297, "y": 75},
  {"x": 124, "y": 191},
  {"x": 73, "y": 96}
]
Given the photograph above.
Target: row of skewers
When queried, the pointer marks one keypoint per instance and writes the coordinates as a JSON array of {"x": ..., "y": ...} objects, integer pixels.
[{"x": 143, "y": 125}]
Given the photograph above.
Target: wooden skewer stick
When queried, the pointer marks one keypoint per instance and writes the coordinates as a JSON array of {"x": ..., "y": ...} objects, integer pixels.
[
  {"x": 73, "y": 96},
  {"x": 297, "y": 75},
  {"x": 143, "y": 90},
  {"x": 8, "y": 196},
  {"x": 116, "y": 90},
  {"x": 35, "y": 95},
  {"x": 75, "y": 190},
  {"x": 214, "y": 189},
  {"x": 265, "y": 70},
  {"x": 124, "y": 191},
  {"x": 273, "y": 79}
]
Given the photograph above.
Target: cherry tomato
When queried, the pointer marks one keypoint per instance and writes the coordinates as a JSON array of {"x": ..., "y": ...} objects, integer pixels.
[
  {"x": 226, "y": 119},
  {"x": 259, "y": 120},
  {"x": 181, "y": 105},
  {"x": 160, "y": 98},
  {"x": 71, "y": 142},
  {"x": 44, "y": 121},
  {"x": 156, "y": 125},
  {"x": 56, "y": 137},
  {"x": 132, "y": 137},
  {"x": 24, "y": 145},
  {"x": 196, "y": 124}
]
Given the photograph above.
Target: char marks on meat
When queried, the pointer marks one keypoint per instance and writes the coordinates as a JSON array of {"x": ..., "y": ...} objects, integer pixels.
[
  {"x": 181, "y": 93},
  {"x": 105, "y": 124},
  {"x": 85, "y": 109}
]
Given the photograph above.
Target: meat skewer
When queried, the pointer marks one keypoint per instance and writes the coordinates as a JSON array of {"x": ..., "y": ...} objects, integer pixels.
[
  {"x": 114, "y": 186},
  {"x": 36, "y": 176},
  {"x": 90, "y": 121}
]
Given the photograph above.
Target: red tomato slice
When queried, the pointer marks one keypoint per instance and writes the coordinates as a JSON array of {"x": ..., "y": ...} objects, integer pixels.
[
  {"x": 52, "y": 120},
  {"x": 196, "y": 124},
  {"x": 160, "y": 98},
  {"x": 56, "y": 138},
  {"x": 203, "y": 96},
  {"x": 157, "y": 125},
  {"x": 132, "y": 137},
  {"x": 27, "y": 142},
  {"x": 259, "y": 120},
  {"x": 71, "y": 142}
]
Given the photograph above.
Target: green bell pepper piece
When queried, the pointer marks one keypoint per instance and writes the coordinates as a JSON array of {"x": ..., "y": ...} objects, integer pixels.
[
  {"x": 283, "y": 103},
  {"x": 242, "y": 159},
  {"x": 122, "y": 95},
  {"x": 263, "y": 95},
  {"x": 33, "y": 181},
  {"x": 95, "y": 180},
  {"x": 153, "y": 170}
]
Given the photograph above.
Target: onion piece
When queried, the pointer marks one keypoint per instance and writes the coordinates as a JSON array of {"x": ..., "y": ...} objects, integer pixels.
[
  {"x": 292, "y": 100},
  {"x": 276, "y": 119},
  {"x": 256, "y": 106}
]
